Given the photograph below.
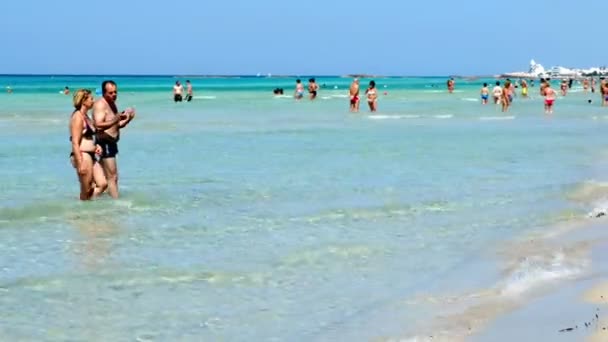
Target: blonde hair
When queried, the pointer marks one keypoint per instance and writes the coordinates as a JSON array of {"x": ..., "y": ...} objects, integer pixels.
[{"x": 80, "y": 96}]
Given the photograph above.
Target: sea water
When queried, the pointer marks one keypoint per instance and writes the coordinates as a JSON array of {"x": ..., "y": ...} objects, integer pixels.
[{"x": 249, "y": 216}]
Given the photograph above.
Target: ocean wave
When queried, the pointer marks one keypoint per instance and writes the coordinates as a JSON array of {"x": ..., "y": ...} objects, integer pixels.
[
  {"x": 377, "y": 212},
  {"x": 496, "y": 118},
  {"x": 533, "y": 267},
  {"x": 140, "y": 278},
  {"x": 70, "y": 210},
  {"x": 392, "y": 117},
  {"x": 320, "y": 256},
  {"x": 600, "y": 209},
  {"x": 590, "y": 191},
  {"x": 537, "y": 270}
]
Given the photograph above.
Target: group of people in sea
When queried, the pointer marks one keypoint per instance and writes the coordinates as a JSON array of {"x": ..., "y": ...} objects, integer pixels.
[
  {"x": 371, "y": 93},
  {"x": 95, "y": 140},
  {"x": 178, "y": 91},
  {"x": 504, "y": 95}
]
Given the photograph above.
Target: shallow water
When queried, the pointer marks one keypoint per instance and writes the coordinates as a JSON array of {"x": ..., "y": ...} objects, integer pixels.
[{"x": 244, "y": 216}]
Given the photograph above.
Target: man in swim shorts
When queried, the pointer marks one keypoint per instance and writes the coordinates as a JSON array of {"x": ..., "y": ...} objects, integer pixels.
[
  {"x": 108, "y": 123},
  {"x": 178, "y": 90},
  {"x": 485, "y": 94},
  {"x": 353, "y": 94},
  {"x": 313, "y": 87}
]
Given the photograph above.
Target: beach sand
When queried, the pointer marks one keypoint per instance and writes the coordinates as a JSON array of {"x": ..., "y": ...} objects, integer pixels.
[
  {"x": 574, "y": 309},
  {"x": 598, "y": 295}
]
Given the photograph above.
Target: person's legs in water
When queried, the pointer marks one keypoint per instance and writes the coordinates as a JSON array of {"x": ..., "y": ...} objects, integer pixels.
[
  {"x": 86, "y": 177},
  {"x": 99, "y": 178},
  {"x": 111, "y": 172}
]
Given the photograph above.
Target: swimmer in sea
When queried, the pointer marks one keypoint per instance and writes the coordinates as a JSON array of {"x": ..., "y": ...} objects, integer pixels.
[
  {"x": 313, "y": 87},
  {"x": 524, "y": 88},
  {"x": 485, "y": 94},
  {"x": 299, "y": 93},
  {"x": 497, "y": 93},
  {"x": 372, "y": 96},
  {"x": 549, "y": 98},
  {"x": 506, "y": 96},
  {"x": 564, "y": 87},
  {"x": 353, "y": 94},
  {"x": 189, "y": 92},
  {"x": 178, "y": 90},
  {"x": 604, "y": 92},
  {"x": 451, "y": 84},
  {"x": 512, "y": 92}
]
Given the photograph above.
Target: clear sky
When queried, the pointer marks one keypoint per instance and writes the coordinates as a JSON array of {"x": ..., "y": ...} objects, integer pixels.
[{"x": 330, "y": 37}]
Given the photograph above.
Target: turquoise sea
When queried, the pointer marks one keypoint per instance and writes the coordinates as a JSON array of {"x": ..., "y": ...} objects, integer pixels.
[{"x": 250, "y": 217}]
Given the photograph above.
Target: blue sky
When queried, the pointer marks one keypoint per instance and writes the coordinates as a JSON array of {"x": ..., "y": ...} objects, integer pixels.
[{"x": 331, "y": 37}]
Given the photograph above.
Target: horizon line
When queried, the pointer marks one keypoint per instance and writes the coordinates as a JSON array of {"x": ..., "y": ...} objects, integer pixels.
[{"x": 354, "y": 75}]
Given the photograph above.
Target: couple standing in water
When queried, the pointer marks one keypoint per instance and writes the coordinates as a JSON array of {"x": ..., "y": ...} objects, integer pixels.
[
  {"x": 95, "y": 141},
  {"x": 371, "y": 92}
]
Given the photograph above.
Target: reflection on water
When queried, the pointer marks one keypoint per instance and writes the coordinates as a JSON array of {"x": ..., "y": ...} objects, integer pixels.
[{"x": 93, "y": 246}]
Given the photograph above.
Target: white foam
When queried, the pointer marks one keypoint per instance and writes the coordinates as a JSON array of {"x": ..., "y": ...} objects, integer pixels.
[
  {"x": 535, "y": 271},
  {"x": 485, "y": 118},
  {"x": 600, "y": 208},
  {"x": 470, "y": 99},
  {"x": 206, "y": 97},
  {"x": 444, "y": 116},
  {"x": 392, "y": 117},
  {"x": 340, "y": 96}
]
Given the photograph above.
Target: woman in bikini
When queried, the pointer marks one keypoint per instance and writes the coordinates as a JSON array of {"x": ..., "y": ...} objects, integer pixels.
[
  {"x": 84, "y": 148},
  {"x": 372, "y": 96},
  {"x": 506, "y": 96}
]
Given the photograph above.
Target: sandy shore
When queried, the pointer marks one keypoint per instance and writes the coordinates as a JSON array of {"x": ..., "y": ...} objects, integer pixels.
[
  {"x": 573, "y": 309},
  {"x": 554, "y": 288},
  {"x": 598, "y": 295}
]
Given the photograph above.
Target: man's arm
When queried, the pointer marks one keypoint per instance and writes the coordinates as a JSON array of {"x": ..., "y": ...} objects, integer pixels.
[{"x": 99, "y": 115}]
